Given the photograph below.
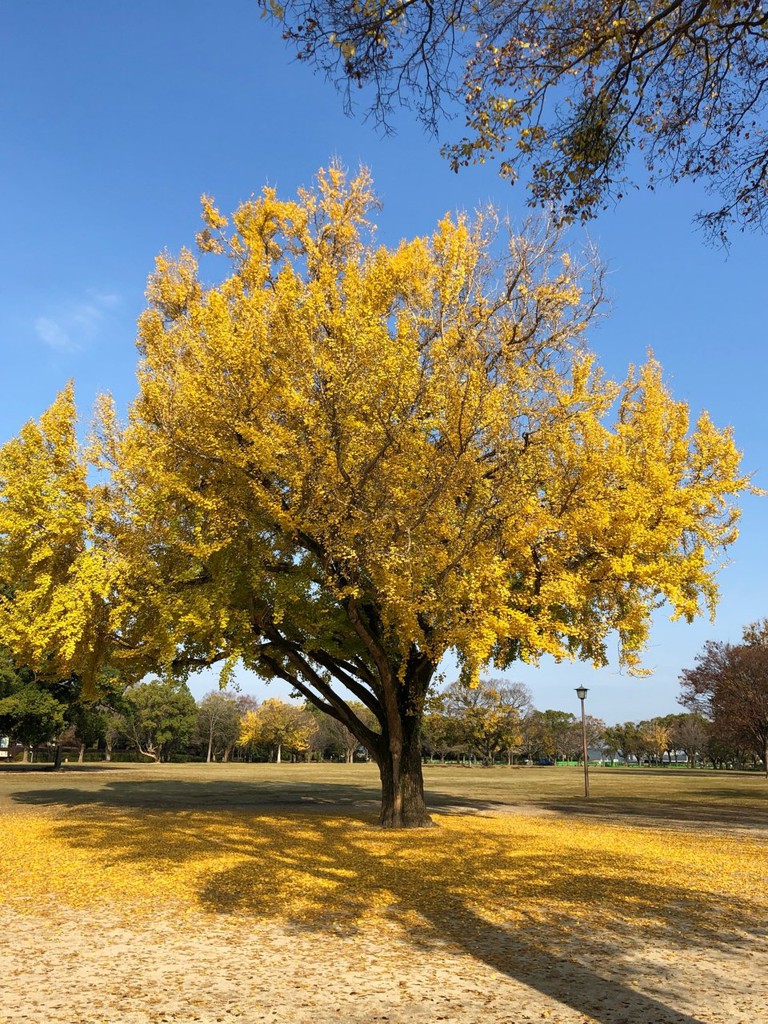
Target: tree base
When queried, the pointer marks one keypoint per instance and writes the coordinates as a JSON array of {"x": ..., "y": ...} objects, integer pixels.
[
  {"x": 390, "y": 820},
  {"x": 402, "y": 795}
]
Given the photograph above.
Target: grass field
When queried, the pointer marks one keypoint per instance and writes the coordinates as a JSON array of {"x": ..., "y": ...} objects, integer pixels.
[{"x": 576, "y": 910}]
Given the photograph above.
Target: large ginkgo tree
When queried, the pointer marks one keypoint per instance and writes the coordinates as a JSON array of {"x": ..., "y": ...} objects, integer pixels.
[{"x": 346, "y": 460}]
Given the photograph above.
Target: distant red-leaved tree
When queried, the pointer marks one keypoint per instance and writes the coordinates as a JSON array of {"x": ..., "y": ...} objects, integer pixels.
[{"x": 729, "y": 684}]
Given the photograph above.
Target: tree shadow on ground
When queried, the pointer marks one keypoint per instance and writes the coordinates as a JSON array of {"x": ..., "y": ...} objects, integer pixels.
[
  {"x": 726, "y": 810},
  {"x": 38, "y": 767},
  {"x": 182, "y": 795},
  {"x": 499, "y": 889},
  {"x": 730, "y": 811}
]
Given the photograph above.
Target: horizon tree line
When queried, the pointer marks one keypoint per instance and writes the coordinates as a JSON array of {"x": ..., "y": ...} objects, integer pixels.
[{"x": 493, "y": 722}]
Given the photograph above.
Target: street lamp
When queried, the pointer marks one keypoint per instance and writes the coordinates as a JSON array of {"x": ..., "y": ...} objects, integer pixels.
[{"x": 581, "y": 693}]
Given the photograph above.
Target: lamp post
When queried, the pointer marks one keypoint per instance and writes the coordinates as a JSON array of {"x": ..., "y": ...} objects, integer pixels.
[{"x": 581, "y": 693}]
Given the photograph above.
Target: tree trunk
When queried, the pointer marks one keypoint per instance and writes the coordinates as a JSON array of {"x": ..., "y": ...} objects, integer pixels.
[
  {"x": 278, "y": 753},
  {"x": 81, "y": 754},
  {"x": 25, "y": 755},
  {"x": 210, "y": 747},
  {"x": 402, "y": 785}
]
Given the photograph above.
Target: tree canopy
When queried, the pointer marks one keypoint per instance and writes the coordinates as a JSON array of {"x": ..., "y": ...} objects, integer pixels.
[
  {"x": 54, "y": 583},
  {"x": 345, "y": 460},
  {"x": 484, "y": 719},
  {"x": 218, "y": 723},
  {"x": 568, "y": 88},
  {"x": 158, "y": 716},
  {"x": 729, "y": 685},
  {"x": 29, "y": 712},
  {"x": 275, "y": 725}
]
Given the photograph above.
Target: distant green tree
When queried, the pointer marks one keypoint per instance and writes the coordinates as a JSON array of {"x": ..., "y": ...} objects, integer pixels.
[
  {"x": 8, "y": 674},
  {"x": 551, "y": 734},
  {"x": 159, "y": 717},
  {"x": 31, "y": 716},
  {"x": 30, "y": 712},
  {"x": 88, "y": 722},
  {"x": 37, "y": 710},
  {"x": 613, "y": 742},
  {"x": 92, "y": 720},
  {"x": 625, "y": 740}
]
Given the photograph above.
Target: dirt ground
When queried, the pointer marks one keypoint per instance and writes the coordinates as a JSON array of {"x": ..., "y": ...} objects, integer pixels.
[
  {"x": 107, "y": 960},
  {"x": 79, "y": 968}
]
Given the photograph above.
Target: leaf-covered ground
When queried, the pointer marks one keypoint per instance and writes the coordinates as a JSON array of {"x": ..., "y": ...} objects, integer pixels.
[
  {"x": 309, "y": 867},
  {"x": 315, "y": 914}
]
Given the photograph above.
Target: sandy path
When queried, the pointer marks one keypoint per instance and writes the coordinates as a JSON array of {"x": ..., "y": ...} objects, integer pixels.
[{"x": 74, "y": 967}]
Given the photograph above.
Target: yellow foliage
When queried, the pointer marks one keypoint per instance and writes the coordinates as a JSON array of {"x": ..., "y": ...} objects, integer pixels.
[
  {"x": 402, "y": 432},
  {"x": 54, "y": 578},
  {"x": 510, "y": 870},
  {"x": 276, "y": 725}
]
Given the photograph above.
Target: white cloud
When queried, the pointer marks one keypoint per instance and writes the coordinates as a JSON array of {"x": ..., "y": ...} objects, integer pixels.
[
  {"x": 75, "y": 324},
  {"x": 54, "y": 335}
]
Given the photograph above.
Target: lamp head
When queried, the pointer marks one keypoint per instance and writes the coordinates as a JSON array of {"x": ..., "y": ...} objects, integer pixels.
[{"x": 581, "y": 692}]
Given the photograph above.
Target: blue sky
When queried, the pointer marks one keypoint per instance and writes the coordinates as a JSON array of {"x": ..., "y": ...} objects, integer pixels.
[{"x": 115, "y": 118}]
